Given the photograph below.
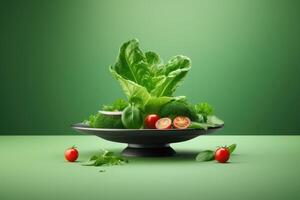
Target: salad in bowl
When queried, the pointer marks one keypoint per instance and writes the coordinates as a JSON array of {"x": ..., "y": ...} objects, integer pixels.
[
  {"x": 149, "y": 86},
  {"x": 152, "y": 116}
]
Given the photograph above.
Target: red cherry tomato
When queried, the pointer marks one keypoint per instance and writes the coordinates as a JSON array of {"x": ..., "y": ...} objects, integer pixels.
[
  {"x": 181, "y": 122},
  {"x": 150, "y": 120},
  {"x": 71, "y": 154},
  {"x": 164, "y": 123},
  {"x": 222, "y": 154}
]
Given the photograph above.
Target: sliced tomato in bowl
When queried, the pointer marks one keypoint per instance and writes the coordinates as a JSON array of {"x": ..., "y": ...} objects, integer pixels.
[
  {"x": 181, "y": 122},
  {"x": 164, "y": 123}
]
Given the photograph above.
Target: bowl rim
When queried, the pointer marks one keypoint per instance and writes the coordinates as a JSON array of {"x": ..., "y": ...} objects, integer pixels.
[{"x": 81, "y": 126}]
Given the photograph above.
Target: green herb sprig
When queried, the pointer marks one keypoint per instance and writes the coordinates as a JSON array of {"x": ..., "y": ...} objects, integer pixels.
[
  {"x": 107, "y": 158},
  {"x": 117, "y": 105}
]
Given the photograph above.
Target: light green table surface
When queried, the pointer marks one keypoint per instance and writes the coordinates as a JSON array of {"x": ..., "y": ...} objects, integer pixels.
[{"x": 263, "y": 167}]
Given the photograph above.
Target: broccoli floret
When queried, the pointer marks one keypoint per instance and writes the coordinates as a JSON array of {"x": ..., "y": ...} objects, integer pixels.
[
  {"x": 179, "y": 108},
  {"x": 107, "y": 121}
]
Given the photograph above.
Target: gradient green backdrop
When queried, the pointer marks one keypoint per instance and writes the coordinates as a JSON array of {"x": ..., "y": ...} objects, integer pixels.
[{"x": 55, "y": 57}]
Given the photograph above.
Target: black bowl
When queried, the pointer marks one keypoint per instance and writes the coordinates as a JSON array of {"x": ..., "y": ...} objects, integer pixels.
[{"x": 145, "y": 142}]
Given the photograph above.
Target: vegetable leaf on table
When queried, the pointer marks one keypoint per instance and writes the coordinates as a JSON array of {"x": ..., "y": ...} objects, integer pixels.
[
  {"x": 206, "y": 155},
  {"x": 231, "y": 148},
  {"x": 106, "y": 158}
]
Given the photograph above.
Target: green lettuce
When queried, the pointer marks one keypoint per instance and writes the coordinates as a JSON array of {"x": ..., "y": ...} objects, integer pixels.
[
  {"x": 134, "y": 92},
  {"x": 173, "y": 72},
  {"x": 145, "y": 80},
  {"x": 155, "y": 103}
]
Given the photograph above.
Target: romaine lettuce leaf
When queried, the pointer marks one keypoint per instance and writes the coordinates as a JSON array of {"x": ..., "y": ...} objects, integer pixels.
[
  {"x": 154, "y": 62},
  {"x": 135, "y": 93},
  {"x": 132, "y": 64},
  {"x": 174, "y": 71},
  {"x": 148, "y": 71},
  {"x": 145, "y": 80}
]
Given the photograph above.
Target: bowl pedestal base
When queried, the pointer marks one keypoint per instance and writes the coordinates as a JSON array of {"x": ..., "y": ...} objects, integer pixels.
[{"x": 142, "y": 150}]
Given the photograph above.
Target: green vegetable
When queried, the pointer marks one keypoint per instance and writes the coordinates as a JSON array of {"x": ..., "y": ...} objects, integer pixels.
[
  {"x": 118, "y": 105},
  {"x": 206, "y": 155},
  {"x": 145, "y": 80},
  {"x": 132, "y": 64},
  {"x": 204, "y": 109},
  {"x": 201, "y": 125},
  {"x": 90, "y": 121},
  {"x": 198, "y": 125},
  {"x": 214, "y": 120},
  {"x": 132, "y": 118},
  {"x": 107, "y": 121},
  {"x": 178, "y": 108},
  {"x": 173, "y": 73},
  {"x": 231, "y": 148},
  {"x": 201, "y": 118},
  {"x": 155, "y": 103},
  {"x": 135, "y": 93},
  {"x": 105, "y": 158}
]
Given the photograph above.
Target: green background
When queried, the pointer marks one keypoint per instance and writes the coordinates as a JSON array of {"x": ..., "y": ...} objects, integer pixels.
[{"x": 55, "y": 57}]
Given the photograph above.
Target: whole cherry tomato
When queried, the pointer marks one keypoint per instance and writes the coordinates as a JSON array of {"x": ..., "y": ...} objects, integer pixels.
[
  {"x": 222, "y": 154},
  {"x": 150, "y": 121},
  {"x": 71, "y": 154}
]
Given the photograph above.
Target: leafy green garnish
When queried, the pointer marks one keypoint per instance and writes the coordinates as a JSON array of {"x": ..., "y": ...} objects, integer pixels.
[
  {"x": 106, "y": 158},
  {"x": 198, "y": 125},
  {"x": 214, "y": 120},
  {"x": 231, "y": 148},
  {"x": 90, "y": 121},
  {"x": 206, "y": 155},
  {"x": 204, "y": 109},
  {"x": 118, "y": 105},
  {"x": 100, "y": 120}
]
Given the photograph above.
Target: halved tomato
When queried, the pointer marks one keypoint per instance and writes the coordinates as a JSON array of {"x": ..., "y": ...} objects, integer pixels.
[
  {"x": 164, "y": 123},
  {"x": 181, "y": 122}
]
